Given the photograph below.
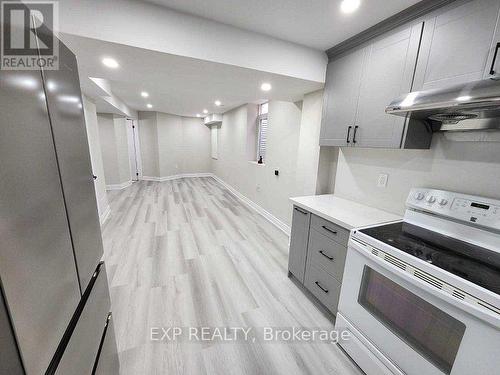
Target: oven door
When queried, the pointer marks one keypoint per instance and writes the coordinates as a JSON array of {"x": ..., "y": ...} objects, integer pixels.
[{"x": 409, "y": 325}]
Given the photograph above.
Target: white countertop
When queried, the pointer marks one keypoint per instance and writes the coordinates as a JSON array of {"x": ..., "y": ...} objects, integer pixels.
[{"x": 348, "y": 214}]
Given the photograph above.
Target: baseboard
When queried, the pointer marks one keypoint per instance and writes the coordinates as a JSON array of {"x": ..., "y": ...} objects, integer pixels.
[
  {"x": 105, "y": 215},
  {"x": 266, "y": 214},
  {"x": 119, "y": 186},
  {"x": 175, "y": 177}
]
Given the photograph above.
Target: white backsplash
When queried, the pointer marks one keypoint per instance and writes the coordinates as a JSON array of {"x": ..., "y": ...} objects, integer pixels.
[{"x": 466, "y": 167}]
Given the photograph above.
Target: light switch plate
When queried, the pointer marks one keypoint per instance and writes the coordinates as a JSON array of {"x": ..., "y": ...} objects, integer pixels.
[{"x": 382, "y": 180}]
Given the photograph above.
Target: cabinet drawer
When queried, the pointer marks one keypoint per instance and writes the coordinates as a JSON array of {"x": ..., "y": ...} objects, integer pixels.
[
  {"x": 323, "y": 286},
  {"x": 333, "y": 231},
  {"x": 327, "y": 254}
]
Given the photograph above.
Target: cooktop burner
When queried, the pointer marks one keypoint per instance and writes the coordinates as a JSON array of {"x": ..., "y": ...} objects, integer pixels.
[{"x": 475, "y": 264}]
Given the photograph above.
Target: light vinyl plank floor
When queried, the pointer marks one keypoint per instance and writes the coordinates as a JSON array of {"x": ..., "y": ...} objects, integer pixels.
[{"x": 187, "y": 253}]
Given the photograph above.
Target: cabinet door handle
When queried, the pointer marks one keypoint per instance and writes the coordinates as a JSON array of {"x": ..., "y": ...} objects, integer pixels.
[
  {"x": 326, "y": 256},
  {"x": 492, "y": 69},
  {"x": 348, "y": 134},
  {"x": 319, "y": 286},
  {"x": 329, "y": 230},
  {"x": 354, "y": 136},
  {"x": 299, "y": 210}
]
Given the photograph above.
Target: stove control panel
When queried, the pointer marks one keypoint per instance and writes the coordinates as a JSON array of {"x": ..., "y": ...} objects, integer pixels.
[{"x": 467, "y": 208}]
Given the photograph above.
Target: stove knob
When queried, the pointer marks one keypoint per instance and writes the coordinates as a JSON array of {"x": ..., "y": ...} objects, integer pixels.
[
  {"x": 419, "y": 196},
  {"x": 443, "y": 202},
  {"x": 431, "y": 199}
]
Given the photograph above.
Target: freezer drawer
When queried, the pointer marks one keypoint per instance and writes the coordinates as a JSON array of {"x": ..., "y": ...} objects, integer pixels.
[
  {"x": 107, "y": 362},
  {"x": 79, "y": 355}
]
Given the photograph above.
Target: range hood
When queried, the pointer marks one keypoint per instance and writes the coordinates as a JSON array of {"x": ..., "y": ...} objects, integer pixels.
[{"x": 471, "y": 106}]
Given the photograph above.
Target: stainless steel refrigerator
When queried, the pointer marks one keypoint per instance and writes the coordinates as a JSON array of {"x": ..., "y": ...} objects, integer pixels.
[{"x": 54, "y": 302}]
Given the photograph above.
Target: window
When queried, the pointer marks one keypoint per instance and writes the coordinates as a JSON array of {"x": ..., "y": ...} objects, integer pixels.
[{"x": 262, "y": 131}]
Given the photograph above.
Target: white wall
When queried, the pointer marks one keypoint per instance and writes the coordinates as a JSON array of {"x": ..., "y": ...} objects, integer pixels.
[
  {"x": 122, "y": 148},
  {"x": 113, "y": 141},
  {"x": 172, "y": 145},
  {"x": 467, "y": 167},
  {"x": 170, "y": 141},
  {"x": 258, "y": 182},
  {"x": 89, "y": 109},
  {"x": 195, "y": 146},
  {"x": 148, "y": 26},
  {"x": 308, "y": 152},
  {"x": 148, "y": 138}
]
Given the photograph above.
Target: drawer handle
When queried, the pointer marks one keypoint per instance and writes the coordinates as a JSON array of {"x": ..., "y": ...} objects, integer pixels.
[
  {"x": 299, "y": 210},
  {"x": 319, "y": 286},
  {"x": 326, "y": 256},
  {"x": 329, "y": 230}
]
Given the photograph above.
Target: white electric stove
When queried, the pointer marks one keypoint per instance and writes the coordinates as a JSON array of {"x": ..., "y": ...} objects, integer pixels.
[{"x": 422, "y": 296}]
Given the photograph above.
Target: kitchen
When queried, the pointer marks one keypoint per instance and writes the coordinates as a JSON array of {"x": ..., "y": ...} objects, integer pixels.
[{"x": 323, "y": 201}]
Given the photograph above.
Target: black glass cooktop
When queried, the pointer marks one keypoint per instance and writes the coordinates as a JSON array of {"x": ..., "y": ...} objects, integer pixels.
[{"x": 475, "y": 264}]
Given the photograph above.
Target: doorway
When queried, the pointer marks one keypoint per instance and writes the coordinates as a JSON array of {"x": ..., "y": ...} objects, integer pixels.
[{"x": 134, "y": 150}]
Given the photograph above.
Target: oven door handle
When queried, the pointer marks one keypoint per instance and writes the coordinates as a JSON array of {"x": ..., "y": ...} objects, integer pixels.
[{"x": 364, "y": 250}]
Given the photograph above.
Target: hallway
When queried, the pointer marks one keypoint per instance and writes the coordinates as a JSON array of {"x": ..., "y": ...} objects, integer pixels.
[{"x": 187, "y": 253}]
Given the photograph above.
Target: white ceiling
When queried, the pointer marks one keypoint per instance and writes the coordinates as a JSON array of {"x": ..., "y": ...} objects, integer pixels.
[
  {"x": 315, "y": 23},
  {"x": 176, "y": 84}
]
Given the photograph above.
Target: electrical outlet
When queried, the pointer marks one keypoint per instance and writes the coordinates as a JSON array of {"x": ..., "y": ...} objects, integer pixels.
[
  {"x": 382, "y": 180},
  {"x": 257, "y": 187}
]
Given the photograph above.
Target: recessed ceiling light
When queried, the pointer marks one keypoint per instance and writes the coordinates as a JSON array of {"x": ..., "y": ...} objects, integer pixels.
[
  {"x": 205, "y": 111},
  {"x": 149, "y": 105},
  {"x": 144, "y": 94},
  {"x": 464, "y": 98},
  {"x": 266, "y": 87},
  {"x": 349, "y": 6},
  {"x": 218, "y": 103},
  {"x": 198, "y": 115},
  {"x": 110, "y": 63}
]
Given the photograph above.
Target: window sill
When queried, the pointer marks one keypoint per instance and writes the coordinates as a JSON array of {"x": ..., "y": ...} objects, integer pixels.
[{"x": 254, "y": 162}]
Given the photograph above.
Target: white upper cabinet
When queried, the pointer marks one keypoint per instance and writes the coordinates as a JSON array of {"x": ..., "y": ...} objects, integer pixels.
[
  {"x": 362, "y": 83},
  {"x": 387, "y": 73},
  {"x": 458, "y": 45},
  {"x": 343, "y": 79}
]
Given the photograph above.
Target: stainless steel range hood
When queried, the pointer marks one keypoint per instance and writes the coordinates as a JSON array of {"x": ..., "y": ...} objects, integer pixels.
[{"x": 466, "y": 107}]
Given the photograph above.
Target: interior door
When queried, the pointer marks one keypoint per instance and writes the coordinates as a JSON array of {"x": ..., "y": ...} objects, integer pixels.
[
  {"x": 341, "y": 96},
  {"x": 70, "y": 138},
  {"x": 37, "y": 267},
  {"x": 458, "y": 45},
  {"x": 387, "y": 73}
]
